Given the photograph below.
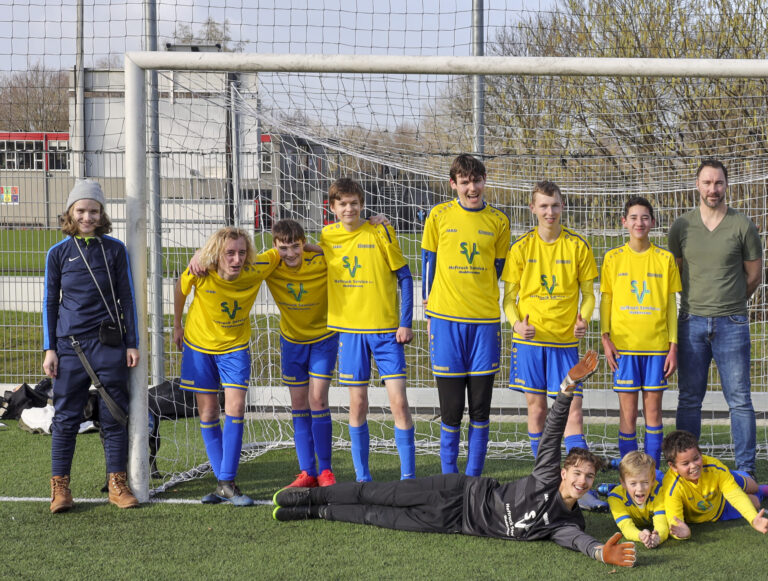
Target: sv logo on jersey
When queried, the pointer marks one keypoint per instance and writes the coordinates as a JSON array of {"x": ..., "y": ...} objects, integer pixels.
[
  {"x": 550, "y": 288},
  {"x": 640, "y": 294},
  {"x": 233, "y": 312},
  {"x": 352, "y": 268},
  {"x": 296, "y": 295},
  {"x": 465, "y": 251}
]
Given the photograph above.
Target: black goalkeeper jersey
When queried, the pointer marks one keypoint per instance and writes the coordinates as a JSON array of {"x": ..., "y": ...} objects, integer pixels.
[{"x": 530, "y": 508}]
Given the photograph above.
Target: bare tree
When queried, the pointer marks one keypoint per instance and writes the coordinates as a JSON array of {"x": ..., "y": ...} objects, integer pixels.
[
  {"x": 34, "y": 100},
  {"x": 210, "y": 32}
]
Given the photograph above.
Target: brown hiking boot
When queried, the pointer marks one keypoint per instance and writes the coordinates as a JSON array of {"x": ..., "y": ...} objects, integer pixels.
[
  {"x": 61, "y": 496},
  {"x": 119, "y": 493}
]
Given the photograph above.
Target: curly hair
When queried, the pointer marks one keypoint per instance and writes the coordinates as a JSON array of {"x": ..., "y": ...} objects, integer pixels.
[
  {"x": 214, "y": 246},
  {"x": 676, "y": 442}
]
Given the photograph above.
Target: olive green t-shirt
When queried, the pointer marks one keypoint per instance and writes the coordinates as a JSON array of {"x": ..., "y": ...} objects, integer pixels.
[{"x": 714, "y": 281}]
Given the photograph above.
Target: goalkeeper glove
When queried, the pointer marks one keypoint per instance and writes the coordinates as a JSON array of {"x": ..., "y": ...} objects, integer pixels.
[
  {"x": 579, "y": 372},
  {"x": 615, "y": 553}
]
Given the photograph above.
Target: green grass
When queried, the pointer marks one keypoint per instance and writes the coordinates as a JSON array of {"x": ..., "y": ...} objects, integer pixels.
[{"x": 171, "y": 541}]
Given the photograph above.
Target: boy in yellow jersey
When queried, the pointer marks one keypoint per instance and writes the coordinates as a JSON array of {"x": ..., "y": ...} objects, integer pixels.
[
  {"x": 307, "y": 349},
  {"x": 637, "y": 504},
  {"x": 699, "y": 488},
  {"x": 638, "y": 320},
  {"x": 463, "y": 249},
  {"x": 215, "y": 347},
  {"x": 365, "y": 269},
  {"x": 546, "y": 270}
]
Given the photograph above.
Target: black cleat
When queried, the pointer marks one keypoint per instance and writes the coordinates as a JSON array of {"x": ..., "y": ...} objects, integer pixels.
[
  {"x": 287, "y": 513},
  {"x": 291, "y": 496}
]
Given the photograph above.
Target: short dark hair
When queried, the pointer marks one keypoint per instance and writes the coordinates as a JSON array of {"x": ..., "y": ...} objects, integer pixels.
[
  {"x": 288, "y": 231},
  {"x": 638, "y": 201},
  {"x": 546, "y": 188},
  {"x": 343, "y": 186},
  {"x": 579, "y": 455},
  {"x": 715, "y": 163},
  {"x": 467, "y": 165},
  {"x": 676, "y": 442}
]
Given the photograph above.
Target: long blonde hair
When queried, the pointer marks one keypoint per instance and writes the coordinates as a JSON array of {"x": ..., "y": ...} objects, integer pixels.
[{"x": 214, "y": 246}]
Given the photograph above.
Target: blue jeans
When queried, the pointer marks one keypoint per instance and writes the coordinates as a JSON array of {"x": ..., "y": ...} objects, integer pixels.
[{"x": 727, "y": 340}]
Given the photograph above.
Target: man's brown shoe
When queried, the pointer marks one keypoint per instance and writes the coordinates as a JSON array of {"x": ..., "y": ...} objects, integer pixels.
[
  {"x": 119, "y": 493},
  {"x": 61, "y": 496}
]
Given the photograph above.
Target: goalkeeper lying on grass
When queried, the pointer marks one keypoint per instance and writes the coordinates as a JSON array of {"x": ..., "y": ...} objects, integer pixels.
[{"x": 540, "y": 506}]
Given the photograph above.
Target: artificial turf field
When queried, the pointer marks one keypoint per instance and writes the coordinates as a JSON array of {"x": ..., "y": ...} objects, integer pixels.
[{"x": 171, "y": 540}]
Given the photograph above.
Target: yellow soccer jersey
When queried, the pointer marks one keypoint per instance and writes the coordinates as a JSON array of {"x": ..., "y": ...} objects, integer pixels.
[
  {"x": 549, "y": 275},
  {"x": 302, "y": 297},
  {"x": 631, "y": 519},
  {"x": 362, "y": 284},
  {"x": 704, "y": 501},
  {"x": 639, "y": 285},
  {"x": 218, "y": 320},
  {"x": 467, "y": 244}
]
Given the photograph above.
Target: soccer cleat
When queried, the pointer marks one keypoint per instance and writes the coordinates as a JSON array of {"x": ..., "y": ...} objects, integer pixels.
[
  {"x": 580, "y": 372},
  {"x": 592, "y": 503},
  {"x": 605, "y": 488},
  {"x": 227, "y": 491},
  {"x": 326, "y": 478},
  {"x": 61, "y": 496},
  {"x": 211, "y": 498},
  {"x": 119, "y": 493},
  {"x": 287, "y": 513},
  {"x": 291, "y": 496},
  {"x": 303, "y": 480}
]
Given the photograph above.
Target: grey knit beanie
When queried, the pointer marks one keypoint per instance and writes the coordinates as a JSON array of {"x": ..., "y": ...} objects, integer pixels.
[{"x": 86, "y": 190}]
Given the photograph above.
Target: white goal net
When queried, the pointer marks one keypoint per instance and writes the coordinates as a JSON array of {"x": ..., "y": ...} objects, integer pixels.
[{"x": 250, "y": 146}]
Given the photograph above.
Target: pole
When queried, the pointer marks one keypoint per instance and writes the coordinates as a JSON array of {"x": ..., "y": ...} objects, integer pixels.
[
  {"x": 136, "y": 241},
  {"x": 478, "y": 81},
  {"x": 79, "y": 137},
  {"x": 157, "y": 336}
]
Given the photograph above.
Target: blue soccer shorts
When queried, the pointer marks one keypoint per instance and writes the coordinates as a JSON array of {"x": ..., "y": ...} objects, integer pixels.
[
  {"x": 539, "y": 369},
  {"x": 355, "y": 350},
  {"x": 459, "y": 349},
  {"x": 300, "y": 361},
  {"x": 639, "y": 372},
  {"x": 206, "y": 373}
]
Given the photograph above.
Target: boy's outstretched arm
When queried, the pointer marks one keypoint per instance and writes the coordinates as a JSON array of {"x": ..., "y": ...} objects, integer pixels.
[
  {"x": 547, "y": 467},
  {"x": 760, "y": 523}
]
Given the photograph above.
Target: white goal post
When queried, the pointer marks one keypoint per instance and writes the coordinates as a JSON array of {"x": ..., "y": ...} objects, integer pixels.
[{"x": 138, "y": 63}]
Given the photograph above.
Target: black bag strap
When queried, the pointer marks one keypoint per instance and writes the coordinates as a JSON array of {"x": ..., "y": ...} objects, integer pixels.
[
  {"x": 109, "y": 276},
  {"x": 117, "y": 413}
]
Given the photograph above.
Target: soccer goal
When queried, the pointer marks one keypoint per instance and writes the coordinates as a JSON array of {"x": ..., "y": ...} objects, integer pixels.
[{"x": 249, "y": 139}]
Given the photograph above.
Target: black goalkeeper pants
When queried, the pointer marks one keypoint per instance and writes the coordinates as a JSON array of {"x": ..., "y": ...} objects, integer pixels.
[{"x": 428, "y": 505}]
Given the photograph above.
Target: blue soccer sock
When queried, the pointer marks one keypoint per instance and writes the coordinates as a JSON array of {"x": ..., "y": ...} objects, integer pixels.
[
  {"x": 322, "y": 434},
  {"x": 406, "y": 448},
  {"x": 361, "y": 441},
  {"x": 211, "y": 432},
  {"x": 478, "y": 447},
  {"x": 654, "y": 436},
  {"x": 762, "y": 491},
  {"x": 575, "y": 441},
  {"x": 302, "y": 439},
  {"x": 231, "y": 446},
  {"x": 535, "y": 438},
  {"x": 449, "y": 448},
  {"x": 627, "y": 443}
]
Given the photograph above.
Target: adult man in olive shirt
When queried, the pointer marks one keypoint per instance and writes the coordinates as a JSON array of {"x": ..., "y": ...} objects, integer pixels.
[{"x": 719, "y": 254}]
